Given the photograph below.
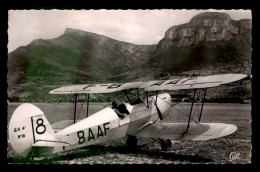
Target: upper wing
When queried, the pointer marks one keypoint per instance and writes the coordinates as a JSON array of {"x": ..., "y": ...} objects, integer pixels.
[
  {"x": 174, "y": 131},
  {"x": 174, "y": 84},
  {"x": 96, "y": 88},
  {"x": 193, "y": 83}
]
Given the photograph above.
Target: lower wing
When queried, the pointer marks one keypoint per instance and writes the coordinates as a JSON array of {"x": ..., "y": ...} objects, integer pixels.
[{"x": 175, "y": 131}]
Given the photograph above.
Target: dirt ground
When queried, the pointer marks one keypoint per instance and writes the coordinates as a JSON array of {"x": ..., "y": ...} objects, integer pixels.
[{"x": 216, "y": 151}]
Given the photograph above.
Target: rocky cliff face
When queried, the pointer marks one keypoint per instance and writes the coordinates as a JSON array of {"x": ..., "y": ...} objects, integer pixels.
[
  {"x": 206, "y": 27},
  {"x": 207, "y": 38}
]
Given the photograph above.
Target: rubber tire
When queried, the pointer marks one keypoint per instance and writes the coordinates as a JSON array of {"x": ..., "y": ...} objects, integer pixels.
[
  {"x": 131, "y": 142},
  {"x": 166, "y": 145}
]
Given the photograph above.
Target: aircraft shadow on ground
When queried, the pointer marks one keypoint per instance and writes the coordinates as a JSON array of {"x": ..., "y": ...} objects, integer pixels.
[{"x": 103, "y": 150}]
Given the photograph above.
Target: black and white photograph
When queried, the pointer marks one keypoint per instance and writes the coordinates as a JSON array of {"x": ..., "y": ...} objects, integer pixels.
[{"x": 103, "y": 86}]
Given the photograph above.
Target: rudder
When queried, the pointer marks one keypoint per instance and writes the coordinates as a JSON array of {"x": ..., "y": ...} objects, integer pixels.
[{"x": 27, "y": 125}]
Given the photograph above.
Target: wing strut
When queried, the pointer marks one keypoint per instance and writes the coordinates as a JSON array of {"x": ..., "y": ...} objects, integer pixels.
[
  {"x": 127, "y": 96},
  {"x": 146, "y": 94},
  {"x": 190, "y": 112},
  {"x": 205, "y": 90},
  {"x": 137, "y": 93},
  {"x": 158, "y": 110},
  {"x": 87, "y": 104},
  {"x": 75, "y": 108}
]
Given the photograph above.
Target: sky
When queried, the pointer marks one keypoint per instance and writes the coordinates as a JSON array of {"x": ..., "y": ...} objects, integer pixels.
[{"x": 142, "y": 27}]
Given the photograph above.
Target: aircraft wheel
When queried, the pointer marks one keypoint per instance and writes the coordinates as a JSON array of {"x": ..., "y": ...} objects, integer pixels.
[
  {"x": 131, "y": 142},
  {"x": 166, "y": 145}
]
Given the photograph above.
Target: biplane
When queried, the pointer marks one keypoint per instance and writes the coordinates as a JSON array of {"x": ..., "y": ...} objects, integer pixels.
[{"x": 30, "y": 133}]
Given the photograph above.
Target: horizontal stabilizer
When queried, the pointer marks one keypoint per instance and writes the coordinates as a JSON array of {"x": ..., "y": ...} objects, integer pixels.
[
  {"x": 175, "y": 131},
  {"x": 49, "y": 143},
  {"x": 55, "y": 139}
]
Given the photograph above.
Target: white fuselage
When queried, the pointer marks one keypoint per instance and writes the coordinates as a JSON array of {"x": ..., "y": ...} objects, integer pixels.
[{"x": 105, "y": 124}]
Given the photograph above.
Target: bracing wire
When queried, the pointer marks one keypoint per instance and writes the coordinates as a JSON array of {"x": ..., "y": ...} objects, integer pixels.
[
  {"x": 183, "y": 113},
  {"x": 80, "y": 109}
]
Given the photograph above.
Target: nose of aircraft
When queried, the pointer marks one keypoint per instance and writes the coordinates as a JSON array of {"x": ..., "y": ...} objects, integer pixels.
[{"x": 164, "y": 102}]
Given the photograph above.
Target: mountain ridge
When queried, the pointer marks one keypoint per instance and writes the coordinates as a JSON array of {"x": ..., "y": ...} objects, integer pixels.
[{"x": 79, "y": 57}]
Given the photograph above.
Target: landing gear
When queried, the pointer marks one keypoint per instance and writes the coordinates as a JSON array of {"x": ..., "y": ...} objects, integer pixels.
[
  {"x": 166, "y": 145},
  {"x": 131, "y": 142}
]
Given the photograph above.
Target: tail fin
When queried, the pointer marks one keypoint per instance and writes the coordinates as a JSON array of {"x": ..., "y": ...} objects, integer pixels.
[{"x": 27, "y": 126}]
